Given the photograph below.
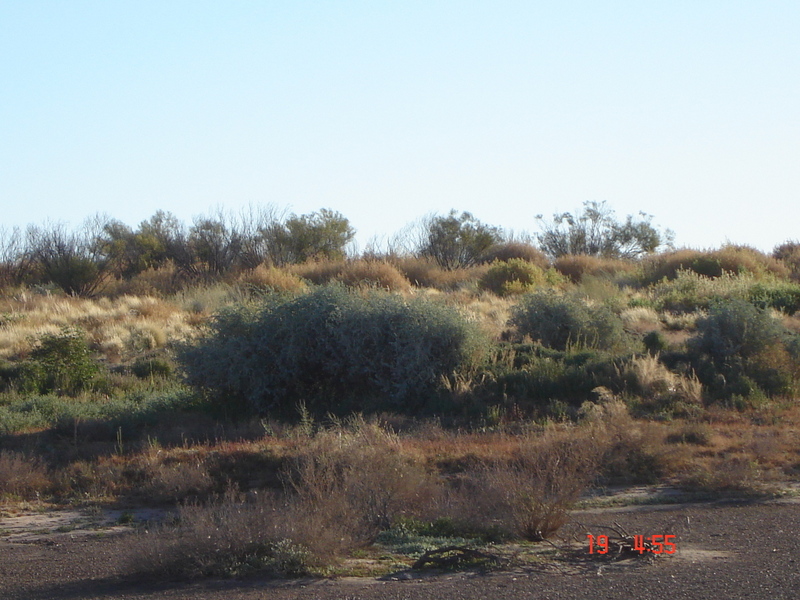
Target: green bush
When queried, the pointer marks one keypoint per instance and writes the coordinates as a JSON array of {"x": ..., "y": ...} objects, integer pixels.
[
  {"x": 655, "y": 342},
  {"x": 60, "y": 363},
  {"x": 740, "y": 349},
  {"x": 151, "y": 367},
  {"x": 545, "y": 381},
  {"x": 336, "y": 350},
  {"x": 781, "y": 296},
  {"x": 559, "y": 322},
  {"x": 515, "y": 276}
]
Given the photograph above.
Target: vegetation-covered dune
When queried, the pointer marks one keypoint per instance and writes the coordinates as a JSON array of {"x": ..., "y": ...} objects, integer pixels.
[{"x": 299, "y": 404}]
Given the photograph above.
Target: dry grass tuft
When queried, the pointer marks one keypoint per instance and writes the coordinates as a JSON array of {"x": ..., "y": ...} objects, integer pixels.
[
  {"x": 359, "y": 477},
  {"x": 662, "y": 389},
  {"x": 370, "y": 273},
  {"x": 511, "y": 250},
  {"x": 423, "y": 272},
  {"x": 575, "y": 267},
  {"x": 229, "y": 537},
  {"x": 21, "y": 476},
  {"x": 732, "y": 259},
  {"x": 536, "y": 490},
  {"x": 118, "y": 327},
  {"x": 272, "y": 278}
]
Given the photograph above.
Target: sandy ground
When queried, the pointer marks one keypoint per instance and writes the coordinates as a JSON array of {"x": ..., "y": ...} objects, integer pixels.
[{"x": 724, "y": 550}]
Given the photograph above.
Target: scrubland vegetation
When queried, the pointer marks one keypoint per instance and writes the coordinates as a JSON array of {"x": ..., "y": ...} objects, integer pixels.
[{"x": 299, "y": 406}]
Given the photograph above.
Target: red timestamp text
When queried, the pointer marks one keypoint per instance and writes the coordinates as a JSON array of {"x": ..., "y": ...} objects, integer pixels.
[{"x": 656, "y": 544}]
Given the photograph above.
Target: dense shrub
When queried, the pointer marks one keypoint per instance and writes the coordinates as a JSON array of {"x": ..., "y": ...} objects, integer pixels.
[
  {"x": 782, "y": 296},
  {"x": 655, "y": 342},
  {"x": 561, "y": 321},
  {"x": 740, "y": 349},
  {"x": 540, "y": 377},
  {"x": 690, "y": 291},
  {"x": 515, "y": 276},
  {"x": 337, "y": 350},
  {"x": 152, "y": 366}
]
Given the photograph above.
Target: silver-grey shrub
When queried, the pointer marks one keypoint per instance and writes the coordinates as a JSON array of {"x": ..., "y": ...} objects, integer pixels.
[
  {"x": 335, "y": 350},
  {"x": 563, "y": 321}
]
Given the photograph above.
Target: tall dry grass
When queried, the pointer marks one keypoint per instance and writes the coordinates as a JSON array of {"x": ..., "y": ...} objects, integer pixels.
[
  {"x": 575, "y": 267},
  {"x": 119, "y": 328},
  {"x": 22, "y": 476},
  {"x": 370, "y": 273},
  {"x": 422, "y": 272},
  {"x": 731, "y": 259}
]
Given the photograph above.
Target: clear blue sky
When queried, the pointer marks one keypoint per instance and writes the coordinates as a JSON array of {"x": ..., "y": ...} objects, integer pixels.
[{"x": 385, "y": 111}]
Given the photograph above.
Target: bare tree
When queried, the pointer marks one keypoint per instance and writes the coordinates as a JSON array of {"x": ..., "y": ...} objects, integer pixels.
[
  {"x": 15, "y": 263},
  {"x": 71, "y": 259},
  {"x": 596, "y": 232}
]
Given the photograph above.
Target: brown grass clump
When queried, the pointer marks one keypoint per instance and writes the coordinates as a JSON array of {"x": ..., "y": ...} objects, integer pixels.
[
  {"x": 230, "y": 537},
  {"x": 373, "y": 273},
  {"x": 576, "y": 266},
  {"x": 272, "y": 278},
  {"x": 159, "y": 282},
  {"x": 744, "y": 259},
  {"x": 661, "y": 389},
  {"x": 789, "y": 254},
  {"x": 21, "y": 476},
  {"x": 731, "y": 259},
  {"x": 667, "y": 264},
  {"x": 361, "y": 478},
  {"x": 119, "y": 328},
  {"x": 423, "y": 272},
  {"x": 536, "y": 490},
  {"x": 519, "y": 250}
]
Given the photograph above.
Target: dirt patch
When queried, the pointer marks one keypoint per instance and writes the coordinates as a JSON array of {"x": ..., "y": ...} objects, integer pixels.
[
  {"x": 742, "y": 549},
  {"x": 50, "y": 525}
]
